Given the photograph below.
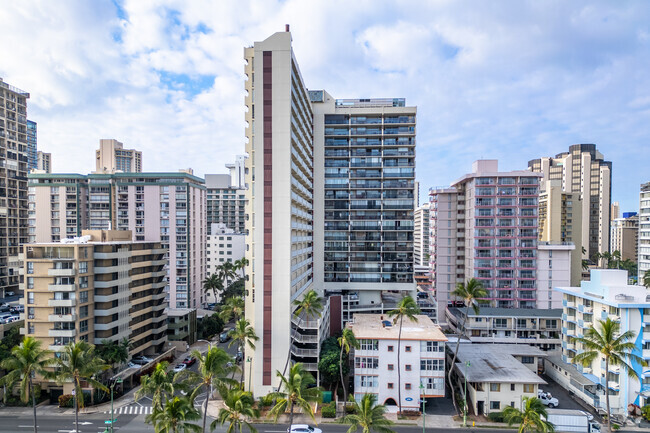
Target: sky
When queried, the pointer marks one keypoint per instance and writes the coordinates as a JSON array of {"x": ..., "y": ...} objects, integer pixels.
[{"x": 508, "y": 80}]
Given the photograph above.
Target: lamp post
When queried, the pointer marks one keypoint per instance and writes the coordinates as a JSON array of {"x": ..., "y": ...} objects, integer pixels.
[
  {"x": 118, "y": 380},
  {"x": 467, "y": 364},
  {"x": 424, "y": 415},
  {"x": 250, "y": 371}
]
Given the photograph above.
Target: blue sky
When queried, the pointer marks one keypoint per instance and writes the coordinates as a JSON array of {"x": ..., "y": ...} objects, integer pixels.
[{"x": 511, "y": 80}]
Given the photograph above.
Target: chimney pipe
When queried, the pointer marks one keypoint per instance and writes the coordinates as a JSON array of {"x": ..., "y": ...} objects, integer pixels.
[{"x": 286, "y": 27}]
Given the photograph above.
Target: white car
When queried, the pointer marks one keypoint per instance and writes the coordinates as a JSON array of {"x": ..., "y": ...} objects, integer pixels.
[
  {"x": 548, "y": 400},
  {"x": 180, "y": 367},
  {"x": 303, "y": 428}
]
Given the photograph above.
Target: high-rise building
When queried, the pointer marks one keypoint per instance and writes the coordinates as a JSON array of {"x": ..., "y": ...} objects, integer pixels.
[
  {"x": 421, "y": 236},
  {"x": 625, "y": 236},
  {"x": 101, "y": 286},
  {"x": 226, "y": 201},
  {"x": 44, "y": 161},
  {"x": 644, "y": 230},
  {"x": 279, "y": 210},
  {"x": 112, "y": 157},
  {"x": 615, "y": 212},
  {"x": 560, "y": 222},
  {"x": 31, "y": 145},
  {"x": 224, "y": 245},
  {"x": 364, "y": 175},
  {"x": 238, "y": 172},
  {"x": 583, "y": 170},
  {"x": 485, "y": 227},
  {"x": 13, "y": 182},
  {"x": 156, "y": 207}
]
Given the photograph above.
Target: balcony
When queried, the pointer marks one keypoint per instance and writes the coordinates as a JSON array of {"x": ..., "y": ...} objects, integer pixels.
[
  {"x": 61, "y": 272},
  {"x": 61, "y": 287},
  {"x": 62, "y": 332},
  {"x": 61, "y": 302},
  {"x": 312, "y": 353},
  {"x": 62, "y": 318}
]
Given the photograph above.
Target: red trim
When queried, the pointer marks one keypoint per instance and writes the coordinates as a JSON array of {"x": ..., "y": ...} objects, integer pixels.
[{"x": 267, "y": 352}]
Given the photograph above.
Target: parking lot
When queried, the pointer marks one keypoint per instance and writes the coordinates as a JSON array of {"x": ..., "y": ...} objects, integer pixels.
[{"x": 565, "y": 400}]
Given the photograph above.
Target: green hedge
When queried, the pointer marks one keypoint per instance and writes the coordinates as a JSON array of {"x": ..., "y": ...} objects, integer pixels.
[
  {"x": 496, "y": 416},
  {"x": 328, "y": 410}
]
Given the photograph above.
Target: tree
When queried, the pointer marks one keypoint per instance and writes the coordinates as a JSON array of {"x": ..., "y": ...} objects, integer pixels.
[
  {"x": 330, "y": 367},
  {"x": 630, "y": 266},
  {"x": 209, "y": 326},
  {"x": 616, "y": 257},
  {"x": 233, "y": 307},
  {"x": 531, "y": 419},
  {"x": 241, "y": 264},
  {"x": 239, "y": 405},
  {"x": 114, "y": 352},
  {"x": 159, "y": 385},
  {"x": 347, "y": 340},
  {"x": 298, "y": 391},
  {"x": 605, "y": 341},
  {"x": 646, "y": 278},
  {"x": 309, "y": 308},
  {"x": 79, "y": 362},
  {"x": 234, "y": 289},
  {"x": 244, "y": 335},
  {"x": 212, "y": 284},
  {"x": 175, "y": 416},
  {"x": 26, "y": 361},
  {"x": 213, "y": 370},
  {"x": 369, "y": 416},
  {"x": 11, "y": 339},
  {"x": 406, "y": 307},
  {"x": 470, "y": 293}
]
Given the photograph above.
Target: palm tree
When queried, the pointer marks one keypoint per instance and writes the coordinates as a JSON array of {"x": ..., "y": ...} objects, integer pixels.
[
  {"x": 175, "y": 416},
  {"x": 159, "y": 385},
  {"x": 309, "y": 308},
  {"x": 606, "y": 342},
  {"x": 212, "y": 283},
  {"x": 406, "y": 307},
  {"x": 233, "y": 307},
  {"x": 241, "y": 264},
  {"x": 347, "y": 340},
  {"x": 297, "y": 392},
  {"x": 78, "y": 362},
  {"x": 239, "y": 406},
  {"x": 646, "y": 278},
  {"x": 244, "y": 335},
  {"x": 531, "y": 419},
  {"x": 226, "y": 271},
  {"x": 213, "y": 370},
  {"x": 26, "y": 360},
  {"x": 369, "y": 416},
  {"x": 470, "y": 293},
  {"x": 114, "y": 352},
  {"x": 616, "y": 256}
]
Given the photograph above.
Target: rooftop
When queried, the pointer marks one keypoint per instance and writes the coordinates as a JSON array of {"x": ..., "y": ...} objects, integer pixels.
[
  {"x": 610, "y": 287},
  {"x": 496, "y": 363},
  {"x": 519, "y": 313},
  {"x": 380, "y": 327}
]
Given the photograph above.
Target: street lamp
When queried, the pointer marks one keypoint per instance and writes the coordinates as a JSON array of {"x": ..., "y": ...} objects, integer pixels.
[
  {"x": 118, "y": 380},
  {"x": 424, "y": 415},
  {"x": 250, "y": 371},
  {"x": 467, "y": 364}
]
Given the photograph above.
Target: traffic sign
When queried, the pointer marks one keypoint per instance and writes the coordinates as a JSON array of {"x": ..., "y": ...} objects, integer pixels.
[{"x": 108, "y": 421}]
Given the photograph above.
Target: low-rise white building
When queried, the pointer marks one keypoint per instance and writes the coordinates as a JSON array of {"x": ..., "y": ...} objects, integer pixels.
[
  {"x": 223, "y": 245},
  {"x": 422, "y": 359},
  {"x": 496, "y": 375},
  {"x": 607, "y": 294},
  {"x": 553, "y": 270}
]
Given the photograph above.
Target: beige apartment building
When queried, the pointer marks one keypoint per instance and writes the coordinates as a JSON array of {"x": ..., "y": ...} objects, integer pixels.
[
  {"x": 44, "y": 161},
  {"x": 583, "y": 170},
  {"x": 112, "y": 157},
  {"x": 100, "y": 286},
  {"x": 560, "y": 221},
  {"x": 625, "y": 236}
]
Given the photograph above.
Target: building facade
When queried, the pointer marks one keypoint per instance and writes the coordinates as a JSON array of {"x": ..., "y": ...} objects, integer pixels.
[
  {"x": 644, "y": 230},
  {"x": 421, "y": 236},
  {"x": 44, "y": 161},
  {"x": 223, "y": 245},
  {"x": 364, "y": 187},
  {"x": 101, "y": 286},
  {"x": 279, "y": 209},
  {"x": 112, "y": 157},
  {"x": 606, "y": 295},
  {"x": 32, "y": 146},
  {"x": 156, "y": 207},
  {"x": 226, "y": 200},
  {"x": 625, "y": 236},
  {"x": 583, "y": 170},
  {"x": 14, "y": 159},
  {"x": 421, "y": 360},
  {"x": 485, "y": 227}
]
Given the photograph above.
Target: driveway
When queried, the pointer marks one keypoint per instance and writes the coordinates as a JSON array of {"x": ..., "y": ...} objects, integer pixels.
[{"x": 565, "y": 399}]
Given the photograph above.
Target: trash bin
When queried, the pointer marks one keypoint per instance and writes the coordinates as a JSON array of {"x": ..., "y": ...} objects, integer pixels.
[{"x": 327, "y": 396}]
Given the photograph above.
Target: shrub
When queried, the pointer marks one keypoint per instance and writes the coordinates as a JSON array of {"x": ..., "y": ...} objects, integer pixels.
[
  {"x": 266, "y": 400},
  {"x": 645, "y": 411},
  {"x": 350, "y": 408},
  {"x": 616, "y": 427},
  {"x": 328, "y": 410},
  {"x": 496, "y": 416},
  {"x": 409, "y": 412},
  {"x": 65, "y": 400}
]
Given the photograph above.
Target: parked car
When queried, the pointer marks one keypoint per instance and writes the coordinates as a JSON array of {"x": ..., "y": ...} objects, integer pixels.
[
  {"x": 303, "y": 428},
  {"x": 141, "y": 360},
  {"x": 4, "y": 316},
  {"x": 224, "y": 336},
  {"x": 9, "y": 294},
  {"x": 239, "y": 357},
  {"x": 548, "y": 400},
  {"x": 17, "y": 309},
  {"x": 4, "y": 309},
  {"x": 180, "y": 367},
  {"x": 189, "y": 361},
  {"x": 133, "y": 365}
]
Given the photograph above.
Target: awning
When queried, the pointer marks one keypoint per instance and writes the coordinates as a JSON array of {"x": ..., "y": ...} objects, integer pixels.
[{"x": 592, "y": 377}]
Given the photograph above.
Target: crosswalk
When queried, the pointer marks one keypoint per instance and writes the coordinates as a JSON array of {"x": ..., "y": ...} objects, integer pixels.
[{"x": 138, "y": 409}]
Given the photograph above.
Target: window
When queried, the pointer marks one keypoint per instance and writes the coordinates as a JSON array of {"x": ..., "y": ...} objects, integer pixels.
[
  {"x": 390, "y": 385},
  {"x": 366, "y": 362},
  {"x": 527, "y": 360},
  {"x": 431, "y": 346},
  {"x": 529, "y": 388},
  {"x": 83, "y": 326},
  {"x": 432, "y": 364},
  {"x": 495, "y": 405},
  {"x": 512, "y": 387},
  {"x": 407, "y": 386},
  {"x": 83, "y": 267},
  {"x": 368, "y": 344},
  {"x": 408, "y": 367},
  {"x": 30, "y": 282},
  {"x": 83, "y": 311},
  {"x": 407, "y": 348},
  {"x": 30, "y": 297},
  {"x": 369, "y": 381},
  {"x": 83, "y": 282},
  {"x": 30, "y": 267},
  {"x": 391, "y": 367},
  {"x": 495, "y": 387},
  {"x": 30, "y": 328},
  {"x": 83, "y": 296},
  {"x": 390, "y": 348}
]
